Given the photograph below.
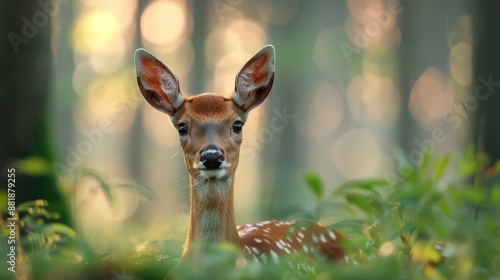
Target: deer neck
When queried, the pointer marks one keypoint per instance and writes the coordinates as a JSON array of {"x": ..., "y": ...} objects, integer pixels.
[{"x": 211, "y": 216}]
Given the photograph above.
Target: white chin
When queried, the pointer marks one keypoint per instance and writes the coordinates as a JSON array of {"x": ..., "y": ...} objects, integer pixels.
[{"x": 213, "y": 174}]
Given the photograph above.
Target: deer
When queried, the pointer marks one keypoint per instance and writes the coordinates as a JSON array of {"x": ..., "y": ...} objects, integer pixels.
[{"x": 210, "y": 128}]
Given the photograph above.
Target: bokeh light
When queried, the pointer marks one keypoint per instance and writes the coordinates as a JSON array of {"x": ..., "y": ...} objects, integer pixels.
[
  {"x": 356, "y": 154},
  {"x": 163, "y": 22},
  {"x": 159, "y": 129},
  {"x": 240, "y": 40},
  {"x": 372, "y": 24},
  {"x": 278, "y": 12},
  {"x": 327, "y": 111},
  {"x": 372, "y": 99},
  {"x": 107, "y": 60},
  {"x": 330, "y": 60},
  {"x": 430, "y": 97},
  {"x": 95, "y": 30},
  {"x": 461, "y": 63}
]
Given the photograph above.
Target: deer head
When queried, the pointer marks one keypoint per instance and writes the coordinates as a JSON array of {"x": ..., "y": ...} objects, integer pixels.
[{"x": 210, "y": 126}]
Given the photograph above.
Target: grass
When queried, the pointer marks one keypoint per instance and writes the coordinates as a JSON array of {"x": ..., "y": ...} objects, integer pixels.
[{"x": 438, "y": 220}]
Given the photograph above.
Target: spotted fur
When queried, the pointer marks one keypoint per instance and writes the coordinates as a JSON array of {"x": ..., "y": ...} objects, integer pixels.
[{"x": 281, "y": 238}]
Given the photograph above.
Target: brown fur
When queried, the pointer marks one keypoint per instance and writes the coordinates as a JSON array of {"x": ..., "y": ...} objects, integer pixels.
[{"x": 219, "y": 113}]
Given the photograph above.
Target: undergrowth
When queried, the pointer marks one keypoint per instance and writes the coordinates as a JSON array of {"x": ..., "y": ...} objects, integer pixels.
[{"x": 437, "y": 220}]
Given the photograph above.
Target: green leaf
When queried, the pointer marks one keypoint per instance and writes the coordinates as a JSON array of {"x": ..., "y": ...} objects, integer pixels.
[
  {"x": 495, "y": 194},
  {"x": 442, "y": 163},
  {"x": 33, "y": 166},
  {"x": 440, "y": 229},
  {"x": 445, "y": 206},
  {"x": 105, "y": 186},
  {"x": 141, "y": 190},
  {"x": 426, "y": 159},
  {"x": 349, "y": 223},
  {"x": 361, "y": 186},
  {"x": 315, "y": 184},
  {"x": 366, "y": 203},
  {"x": 393, "y": 235},
  {"x": 404, "y": 229},
  {"x": 3, "y": 200},
  {"x": 60, "y": 229},
  {"x": 474, "y": 195},
  {"x": 468, "y": 164},
  {"x": 365, "y": 184}
]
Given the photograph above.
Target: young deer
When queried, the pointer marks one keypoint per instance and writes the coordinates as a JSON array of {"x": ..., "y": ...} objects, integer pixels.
[{"x": 210, "y": 130}]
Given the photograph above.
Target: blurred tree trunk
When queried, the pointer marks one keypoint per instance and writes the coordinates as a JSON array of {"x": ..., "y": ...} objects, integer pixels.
[
  {"x": 136, "y": 135},
  {"x": 283, "y": 187},
  {"x": 25, "y": 81},
  {"x": 200, "y": 32},
  {"x": 281, "y": 184},
  {"x": 423, "y": 45},
  {"x": 486, "y": 75}
]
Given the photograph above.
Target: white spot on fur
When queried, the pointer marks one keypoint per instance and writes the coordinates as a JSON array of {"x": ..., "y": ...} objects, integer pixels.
[
  {"x": 315, "y": 238},
  {"x": 278, "y": 244},
  {"x": 255, "y": 250},
  {"x": 283, "y": 243},
  {"x": 263, "y": 223},
  {"x": 332, "y": 235},
  {"x": 306, "y": 249},
  {"x": 257, "y": 240},
  {"x": 322, "y": 238}
]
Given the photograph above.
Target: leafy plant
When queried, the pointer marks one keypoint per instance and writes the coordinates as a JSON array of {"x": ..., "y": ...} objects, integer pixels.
[{"x": 438, "y": 220}]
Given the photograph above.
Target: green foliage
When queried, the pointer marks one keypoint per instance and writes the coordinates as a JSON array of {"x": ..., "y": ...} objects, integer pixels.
[
  {"x": 109, "y": 189},
  {"x": 315, "y": 184},
  {"x": 438, "y": 220},
  {"x": 33, "y": 166},
  {"x": 397, "y": 226},
  {"x": 41, "y": 235}
]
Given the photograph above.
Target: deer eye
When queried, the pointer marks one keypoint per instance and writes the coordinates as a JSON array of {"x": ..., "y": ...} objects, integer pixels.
[
  {"x": 182, "y": 128},
  {"x": 237, "y": 127}
]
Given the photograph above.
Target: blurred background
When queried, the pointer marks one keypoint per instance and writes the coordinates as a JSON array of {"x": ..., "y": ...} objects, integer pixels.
[{"x": 356, "y": 82}]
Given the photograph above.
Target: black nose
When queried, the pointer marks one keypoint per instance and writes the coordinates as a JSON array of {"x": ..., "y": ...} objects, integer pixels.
[{"x": 211, "y": 157}]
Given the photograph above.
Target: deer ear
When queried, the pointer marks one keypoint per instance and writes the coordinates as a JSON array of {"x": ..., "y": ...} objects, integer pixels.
[
  {"x": 157, "y": 83},
  {"x": 255, "y": 79}
]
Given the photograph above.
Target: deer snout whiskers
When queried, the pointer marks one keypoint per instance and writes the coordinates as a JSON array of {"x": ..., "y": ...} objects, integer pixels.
[
  {"x": 211, "y": 163},
  {"x": 213, "y": 173}
]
